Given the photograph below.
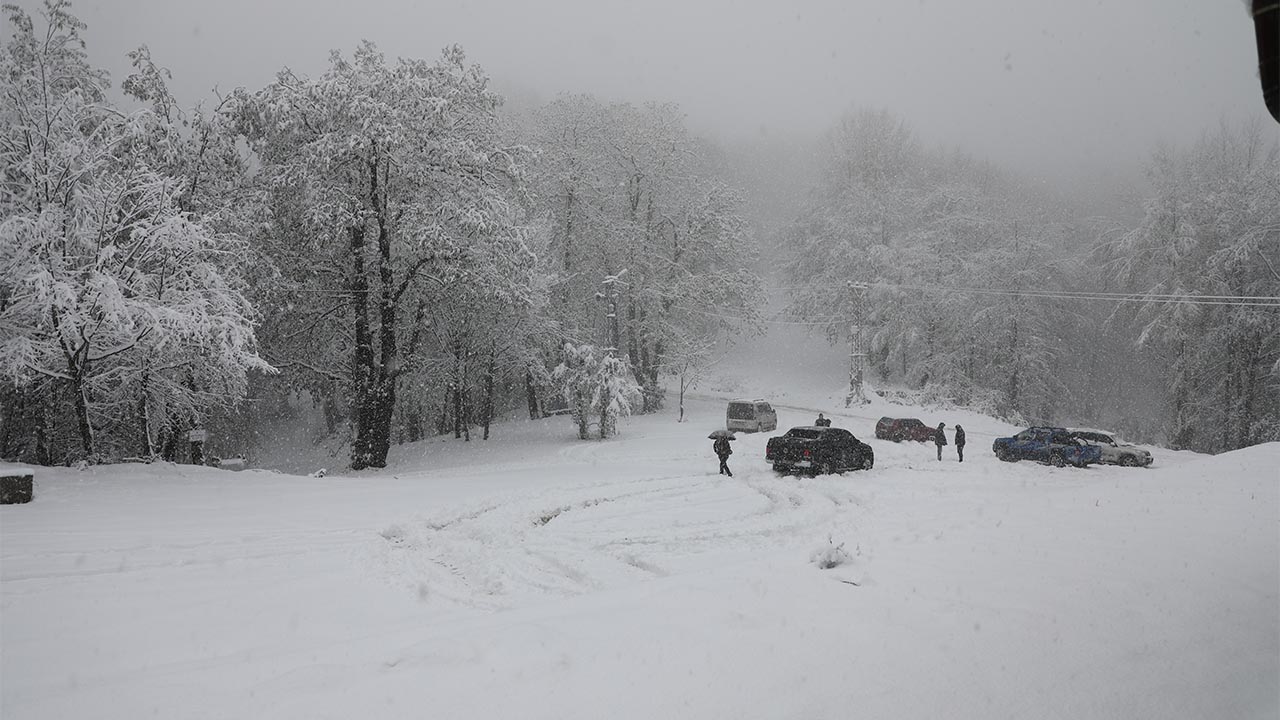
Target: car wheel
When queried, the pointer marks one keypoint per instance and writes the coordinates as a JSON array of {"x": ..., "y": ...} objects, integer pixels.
[
  {"x": 1057, "y": 460},
  {"x": 1129, "y": 461},
  {"x": 1003, "y": 456},
  {"x": 867, "y": 462},
  {"x": 824, "y": 469},
  {"x": 780, "y": 468}
]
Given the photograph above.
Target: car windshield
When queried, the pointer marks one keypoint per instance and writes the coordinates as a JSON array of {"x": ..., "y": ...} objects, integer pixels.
[{"x": 742, "y": 411}]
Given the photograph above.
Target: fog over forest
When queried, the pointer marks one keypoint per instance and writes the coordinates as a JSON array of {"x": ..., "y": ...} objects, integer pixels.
[
  {"x": 1046, "y": 89},
  {"x": 1045, "y": 212}
]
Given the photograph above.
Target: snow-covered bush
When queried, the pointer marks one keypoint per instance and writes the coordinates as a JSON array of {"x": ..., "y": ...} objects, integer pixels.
[
  {"x": 830, "y": 555},
  {"x": 599, "y": 387}
]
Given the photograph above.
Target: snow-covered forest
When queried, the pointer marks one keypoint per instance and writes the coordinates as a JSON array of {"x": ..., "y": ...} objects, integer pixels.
[{"x": 387, "y": 246}]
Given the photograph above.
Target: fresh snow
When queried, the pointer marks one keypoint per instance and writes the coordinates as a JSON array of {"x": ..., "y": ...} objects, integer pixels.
[{"x": 538, "y": 576}]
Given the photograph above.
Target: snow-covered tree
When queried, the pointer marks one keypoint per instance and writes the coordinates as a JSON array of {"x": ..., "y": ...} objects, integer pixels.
[
  {"x": 942, "y": 245},
  {"x": 390, "y": 187},
  {"x": 646, "y": 242},
  {"x": 599, "y": 387},
  {"x": 1212, "y": 228},
  {"x": 690, "y": 356},
  {"x": 111, "y": 293}
]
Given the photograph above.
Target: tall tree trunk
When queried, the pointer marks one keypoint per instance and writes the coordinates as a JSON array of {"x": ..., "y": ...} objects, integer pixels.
[
  {"x": 531, "y": 395},
  {"x": 442, "y": 423},
  {"x": 489, "y": 372},
  {"x": 79, "y": 390},
  {"x": 467, "y": 401},
  {"x": 1252, "y": 366},
  {"x": 363, "y": 372},
  {"x": 683, "y": 385},
  {"x": 145, "y": 447},
  {"x": 655, "y": 365},
  {"x": 1228, "y": 404},
  {"x": 457, "y": 411},
  {"x": 605, "y": 400},
  {"x": 633, "y": 346},
  {"x": 384, "y": 397},
  {"x": 458, "y": 380}
]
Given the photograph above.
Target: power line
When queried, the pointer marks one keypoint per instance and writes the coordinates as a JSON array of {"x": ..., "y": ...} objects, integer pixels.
[
  {"x": 1241, "y": 301},
  {"x": 768, "y": 321},
  {"x": 829, "y": 320},
  {"x": 1068, "y": 293},
  {"x": 1167, "y": 298},
  {"x": 1091, "y": 295}
]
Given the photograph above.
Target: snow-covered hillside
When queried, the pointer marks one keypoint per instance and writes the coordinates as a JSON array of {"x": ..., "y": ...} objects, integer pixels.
[{"x": 535, "y": 575}]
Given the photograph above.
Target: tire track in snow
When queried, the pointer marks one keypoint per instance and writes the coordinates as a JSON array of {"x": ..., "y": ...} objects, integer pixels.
[{"x": 576, "y": 539}]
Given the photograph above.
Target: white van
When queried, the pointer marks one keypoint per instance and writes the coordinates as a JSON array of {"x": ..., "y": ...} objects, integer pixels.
[{"x": 751, "y": 415}]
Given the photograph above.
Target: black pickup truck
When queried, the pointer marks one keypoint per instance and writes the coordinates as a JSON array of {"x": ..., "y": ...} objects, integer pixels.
[{"x": 818, "y": 450}]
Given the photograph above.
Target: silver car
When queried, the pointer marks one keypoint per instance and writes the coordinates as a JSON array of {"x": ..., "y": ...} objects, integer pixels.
[
  {"x": 751, "y": 415},
  {"x": 1114, "y": 452}
]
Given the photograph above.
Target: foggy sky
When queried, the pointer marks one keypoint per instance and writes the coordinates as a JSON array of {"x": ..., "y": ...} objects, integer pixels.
[{"x": 1045, "y": 87}]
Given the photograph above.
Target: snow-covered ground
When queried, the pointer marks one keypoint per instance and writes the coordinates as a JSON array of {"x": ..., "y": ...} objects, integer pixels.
[{"x": 538, "y": 576}]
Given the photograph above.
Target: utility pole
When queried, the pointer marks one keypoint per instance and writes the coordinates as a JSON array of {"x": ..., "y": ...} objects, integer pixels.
[{"x": 857, "y": 345}]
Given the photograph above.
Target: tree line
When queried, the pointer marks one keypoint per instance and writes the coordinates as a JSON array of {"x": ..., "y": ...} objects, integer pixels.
[
  {"x": 388, "y": 245},
  {"x": 378, "y": 240},
  {"x": 968, "y": 287}
]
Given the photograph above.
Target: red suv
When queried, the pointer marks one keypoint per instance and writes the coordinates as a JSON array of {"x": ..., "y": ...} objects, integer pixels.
[{"x": 899, "y": 429}]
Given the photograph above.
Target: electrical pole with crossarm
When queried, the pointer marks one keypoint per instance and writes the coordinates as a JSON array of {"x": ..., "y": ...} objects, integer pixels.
[{"x": 857, "y": 345}]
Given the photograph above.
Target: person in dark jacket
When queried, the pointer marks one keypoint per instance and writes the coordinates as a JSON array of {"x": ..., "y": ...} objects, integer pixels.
[
  {"x": 723, "y": 451},
  {"x": 960, "y": 442},
  {"x": 822, "y": 421},
  {"x": 940, "y": 439}
]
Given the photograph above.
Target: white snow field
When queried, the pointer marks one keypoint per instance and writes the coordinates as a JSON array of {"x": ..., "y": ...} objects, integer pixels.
[{"x": 538, "y": 576}]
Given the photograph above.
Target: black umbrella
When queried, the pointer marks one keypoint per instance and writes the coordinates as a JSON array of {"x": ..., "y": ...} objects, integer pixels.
[{"x": 727, "y": 435}]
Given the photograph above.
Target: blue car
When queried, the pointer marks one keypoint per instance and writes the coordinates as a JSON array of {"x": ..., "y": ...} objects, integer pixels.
[{"x": 1052, "y": 445}]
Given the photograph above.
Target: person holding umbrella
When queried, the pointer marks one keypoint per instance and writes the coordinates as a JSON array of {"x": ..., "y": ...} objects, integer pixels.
[{"x": 722, "y": 449}]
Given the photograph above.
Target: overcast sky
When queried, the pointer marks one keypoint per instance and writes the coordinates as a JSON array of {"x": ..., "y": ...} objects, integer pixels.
[{"x": 1043, "y": 86}]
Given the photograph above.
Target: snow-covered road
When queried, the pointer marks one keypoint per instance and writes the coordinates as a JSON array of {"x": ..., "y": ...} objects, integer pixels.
[{"x": 538, "y": 576}]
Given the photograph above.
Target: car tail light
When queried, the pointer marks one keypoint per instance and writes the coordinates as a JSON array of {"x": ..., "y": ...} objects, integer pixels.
[
  {"x": 808, "y": 452},
  {"x": 768, "y": 452}
]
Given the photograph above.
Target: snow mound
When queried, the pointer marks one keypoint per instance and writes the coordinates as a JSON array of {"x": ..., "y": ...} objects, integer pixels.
[{"x": 830, "y": 555}]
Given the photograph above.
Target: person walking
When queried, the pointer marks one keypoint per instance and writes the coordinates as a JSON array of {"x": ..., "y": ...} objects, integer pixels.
[
  {"x": 940, "y": 439},
  {"x": 960, "y": 442},
  {"x": 723, "y": 451}
]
